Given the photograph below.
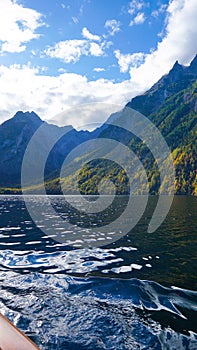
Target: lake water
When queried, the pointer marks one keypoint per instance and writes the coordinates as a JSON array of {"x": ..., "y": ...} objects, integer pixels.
[{"x": 134, "y": 293}]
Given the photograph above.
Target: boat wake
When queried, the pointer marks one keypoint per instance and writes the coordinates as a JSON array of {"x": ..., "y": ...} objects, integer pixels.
[{"x": 64, "y": 312}]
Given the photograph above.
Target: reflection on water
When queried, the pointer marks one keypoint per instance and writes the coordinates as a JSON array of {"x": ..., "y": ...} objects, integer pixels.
[
  {"x": 102, "y": 297},
  {"x": 167, "y": 256}
]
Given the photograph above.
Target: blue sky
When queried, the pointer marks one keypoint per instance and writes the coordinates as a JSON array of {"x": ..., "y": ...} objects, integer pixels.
[{"x": 56, "y": 55}]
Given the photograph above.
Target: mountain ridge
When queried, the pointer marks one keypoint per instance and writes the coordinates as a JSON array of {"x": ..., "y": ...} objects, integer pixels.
[
  {"x": 178, "y": 78},
  {"x": 171, "y": 104}
]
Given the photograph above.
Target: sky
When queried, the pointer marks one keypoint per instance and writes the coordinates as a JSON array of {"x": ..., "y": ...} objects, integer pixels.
[{"x": 58, "y": 56}]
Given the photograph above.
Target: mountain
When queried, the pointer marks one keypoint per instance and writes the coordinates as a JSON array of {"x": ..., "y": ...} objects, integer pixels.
[
  {"x": 15, "y": 135},
  {"x": 178, "y": 79},
  {"x": 171, "y": 104}
]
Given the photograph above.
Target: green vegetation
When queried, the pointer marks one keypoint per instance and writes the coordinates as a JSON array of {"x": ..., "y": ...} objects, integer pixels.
[
  {"x": 171, "y": 105},
  {"x": 176, "y": 118}
]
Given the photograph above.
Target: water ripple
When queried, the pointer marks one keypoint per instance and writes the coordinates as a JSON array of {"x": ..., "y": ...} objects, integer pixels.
[{"x": 62, "y": 312}]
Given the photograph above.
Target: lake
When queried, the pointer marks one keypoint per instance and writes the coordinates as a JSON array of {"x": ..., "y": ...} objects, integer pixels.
[{"x": 137, "y": 292}]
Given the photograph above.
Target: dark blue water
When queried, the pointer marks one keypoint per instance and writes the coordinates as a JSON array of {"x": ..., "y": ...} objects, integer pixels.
[{"x": 136, "y": 293}]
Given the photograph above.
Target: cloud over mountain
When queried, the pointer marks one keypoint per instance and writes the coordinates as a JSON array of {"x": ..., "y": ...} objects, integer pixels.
[{"x": 47, "y": 75}]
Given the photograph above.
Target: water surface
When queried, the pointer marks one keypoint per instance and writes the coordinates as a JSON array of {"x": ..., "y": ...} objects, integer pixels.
[{"x": 135, "y": 293}]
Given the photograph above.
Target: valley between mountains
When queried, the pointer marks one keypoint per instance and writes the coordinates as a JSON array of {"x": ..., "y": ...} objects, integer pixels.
[{"x": 171, "y": 104}]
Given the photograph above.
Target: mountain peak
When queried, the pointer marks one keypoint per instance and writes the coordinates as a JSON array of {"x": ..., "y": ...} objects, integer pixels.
[
  {"x": 176, "y": 69},
  {"x": 21, "y": 116},
  {"x": 193, "y": 64},
  {"x": 179, "y": 78},
  {"x": 177, "y": 64}
]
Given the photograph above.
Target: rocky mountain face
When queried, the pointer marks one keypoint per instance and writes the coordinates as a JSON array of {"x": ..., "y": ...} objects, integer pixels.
[
  {"x": 15, "y": 135},
  {"x": 179, "y": 78},
  {"x": 171, "y": 104}
]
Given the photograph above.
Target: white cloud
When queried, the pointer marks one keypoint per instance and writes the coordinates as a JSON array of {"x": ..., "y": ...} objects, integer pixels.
[
  {"x": 179, "y": 43},
  {"x": 18, "y": 26},
  {"x": 75, "y": 20},
  {"x": 62, "y": 70},
  {"x": 135, "y": 5},
  {"x": 26, "y": 88},
  {"x": 96, "y": 50},
  {"x": 113, "y": 26},
  {"x": 138, "y": 19},
  {"x": 71, "y": 50},
  {"x": 161, "y": 9},
  {"x": 127, "y": 60},
  {"x": 87, "y": 35},
  {"x": 99, "y": 69}
]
